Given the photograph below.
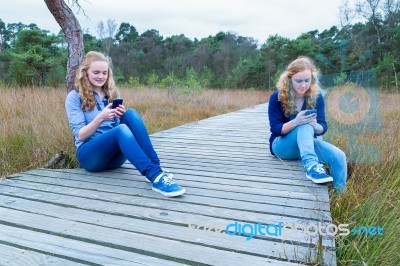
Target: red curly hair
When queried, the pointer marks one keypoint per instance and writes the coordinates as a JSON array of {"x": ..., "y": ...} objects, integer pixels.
[
  {"x": 84, "y": 86},
  {"x": 285, "y": 87}
]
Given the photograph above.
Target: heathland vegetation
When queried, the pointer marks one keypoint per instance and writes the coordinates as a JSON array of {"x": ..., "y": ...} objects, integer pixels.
[
  {"x": 175, "y": 80},
  {"x": 33, "y": 56},
  {"x": 34, "y": 127}
]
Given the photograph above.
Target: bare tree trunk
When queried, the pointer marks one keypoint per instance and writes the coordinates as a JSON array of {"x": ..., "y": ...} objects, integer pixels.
[
  {"x": 73, "y": 34},
  {"x": 395, "y": 76}
]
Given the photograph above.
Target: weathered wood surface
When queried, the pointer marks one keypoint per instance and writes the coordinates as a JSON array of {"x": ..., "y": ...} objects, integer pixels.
[{"x": 73, "y": 217}]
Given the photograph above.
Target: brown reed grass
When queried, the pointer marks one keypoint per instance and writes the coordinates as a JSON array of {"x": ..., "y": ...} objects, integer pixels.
[{"x": 34, "y": 127}]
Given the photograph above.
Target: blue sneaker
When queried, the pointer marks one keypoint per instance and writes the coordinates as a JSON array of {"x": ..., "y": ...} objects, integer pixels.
[
  {"x": 166, "y": 186},
  {"x": 317, "y": 174},
  {"x": 170, "y": 175}
]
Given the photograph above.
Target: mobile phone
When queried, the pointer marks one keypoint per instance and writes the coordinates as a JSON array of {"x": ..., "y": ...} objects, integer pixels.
[
  {"x": 312, "y": 111},
  {"x": 116, "y": 102}
]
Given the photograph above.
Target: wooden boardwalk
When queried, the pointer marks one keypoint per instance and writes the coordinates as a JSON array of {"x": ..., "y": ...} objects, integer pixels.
[{"x": 73, "y": 217}]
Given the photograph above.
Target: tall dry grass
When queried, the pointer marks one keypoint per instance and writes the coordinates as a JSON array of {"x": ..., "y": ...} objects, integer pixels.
[
  {"x": 34, "y": 127},
  {"x": 372, "y": 197}
]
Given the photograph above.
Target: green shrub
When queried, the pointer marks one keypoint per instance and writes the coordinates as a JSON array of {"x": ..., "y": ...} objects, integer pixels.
[
  {"x": 152, "y": 80},
  {"x": 134, "y": 82},
  {"x": 169, "y": 82}
]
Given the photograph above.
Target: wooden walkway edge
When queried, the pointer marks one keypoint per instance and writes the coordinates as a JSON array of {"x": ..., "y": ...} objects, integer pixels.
[{"x": 74, "y": 217}]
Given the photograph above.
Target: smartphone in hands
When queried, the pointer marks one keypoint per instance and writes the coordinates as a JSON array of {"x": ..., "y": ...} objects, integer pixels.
[
  {"x": 312, "y": 111},
  {"x": 116, "y": 102}
]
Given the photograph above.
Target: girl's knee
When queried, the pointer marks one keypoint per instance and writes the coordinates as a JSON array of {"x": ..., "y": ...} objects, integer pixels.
[
  {"x": 305, "y": 126},
  {"x": 340, "y": 155},
  {"x": 132, "y": 113},
  {"x": 286, "y": 148},
  {"x": 305, "y": 129},
  {"x": 123, "y": 129}
]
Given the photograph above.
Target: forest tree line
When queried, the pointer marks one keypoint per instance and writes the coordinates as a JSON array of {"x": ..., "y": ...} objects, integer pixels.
[{"x": 33, "y": 56}]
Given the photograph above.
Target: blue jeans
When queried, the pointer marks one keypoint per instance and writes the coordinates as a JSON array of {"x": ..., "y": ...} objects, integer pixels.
[
  {"x": 301, "y": 144},
  {"x": 129, "y": 140}
]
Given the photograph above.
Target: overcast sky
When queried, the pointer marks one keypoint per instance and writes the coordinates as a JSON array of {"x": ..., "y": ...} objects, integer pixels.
[{"x": 194, "y": 18}]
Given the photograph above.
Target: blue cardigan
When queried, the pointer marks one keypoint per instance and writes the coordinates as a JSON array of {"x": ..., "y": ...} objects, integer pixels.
[{"x": 277, "y": 116}]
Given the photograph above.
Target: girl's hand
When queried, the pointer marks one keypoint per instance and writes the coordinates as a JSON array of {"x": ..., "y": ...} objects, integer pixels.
[
  {"x": 108, "y": 113},
  {"x": 119, "y": 111},
  {"x": 302, "y": 118},
  {"x": 313, "y": 121}
]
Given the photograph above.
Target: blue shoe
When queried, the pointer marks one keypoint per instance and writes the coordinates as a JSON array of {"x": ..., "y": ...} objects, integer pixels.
[
  {"x": 317, "y": 174},
  {"x": 166, "y": 186},
  {"x": 170, "y": 175}
]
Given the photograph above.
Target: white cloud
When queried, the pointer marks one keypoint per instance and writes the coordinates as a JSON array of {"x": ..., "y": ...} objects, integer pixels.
[{"x": 251, "y": 18}]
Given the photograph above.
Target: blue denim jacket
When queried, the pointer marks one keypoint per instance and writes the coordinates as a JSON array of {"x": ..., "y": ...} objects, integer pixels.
[{"x": 78, "y": 118}]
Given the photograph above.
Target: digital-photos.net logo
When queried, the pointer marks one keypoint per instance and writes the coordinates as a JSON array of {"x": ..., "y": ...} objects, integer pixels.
[
  {"x": 281, "y": 229},
  {"x": 286, "y": 229}
]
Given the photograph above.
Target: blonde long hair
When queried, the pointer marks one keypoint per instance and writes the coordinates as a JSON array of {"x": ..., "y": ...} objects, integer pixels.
[
  {"x": 287, "y": 94},
  {"x": 84, "y": 86}
]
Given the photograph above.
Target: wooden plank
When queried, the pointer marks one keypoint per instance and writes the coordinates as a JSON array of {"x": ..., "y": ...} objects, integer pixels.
[
  {"x": 227, "y": 171},
  {"x": 208, "y": 137},
  {"x": 129, "y": 186},
  {"x": 186, "y": 172},
  {"x": 166, "y": 151},
  {"x": 114, "y": 218},
  {"x": 240, "y": 168},
  {"x": 256, "y": 153},
  {"x": 108, "y": 198},
  {"x": 125, "y": 194},
  {"x": 177, "y": 231},
  {"x": 13, "y": 256},
  {"x": 76, "y": 251},
  {"x": 205, "y": 181},
  {"x": 160, "y": 247},
  {"x": 141, "y": 189},
  {"x": 227, "y": 159},
  {"x": 261, "y": 164},
  {"x": 218, "y": 189},
  {"x": 199, "y": 193},
  {"x": 212, "y": 143},
  {"x": 286, "y": 177},
  {"x": 12, "y": 197}
]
